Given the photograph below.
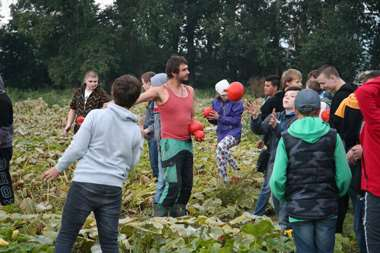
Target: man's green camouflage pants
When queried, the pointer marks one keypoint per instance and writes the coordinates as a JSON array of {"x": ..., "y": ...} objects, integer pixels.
[{"x": 177, "y": 164}]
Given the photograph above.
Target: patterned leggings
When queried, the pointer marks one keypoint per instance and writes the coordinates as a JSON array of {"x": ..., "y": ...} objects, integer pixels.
[
  {"x": 6, "y": 191},
  {"x": 223, "y": 155}
]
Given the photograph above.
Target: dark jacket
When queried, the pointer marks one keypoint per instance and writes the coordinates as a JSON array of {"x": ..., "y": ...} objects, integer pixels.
[
  {"x": 149, "y": 118},
  {"x": 351, "y": 123},
  {"x": 271, "y": 103},
  {"x": 229, "y": 122},
  {"x": 95, "y": 101},
  {"x": 314, "y": 181},
  {"x": 274, "y": 102},
  {"x": 342, "y": 93},
  {"x": 6, "y": 123},
  {"x": 274, "y": 134}
]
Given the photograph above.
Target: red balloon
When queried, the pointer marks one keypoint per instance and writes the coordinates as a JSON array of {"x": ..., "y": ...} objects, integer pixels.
[
  {"x": 325, "y": 115},
  {"x": 235, "y": 91},
  {"x": 199, "y": 135},
  {"x": 80, "y": 120},
  {"x": 207, "y": 111},
  {"x": 195, "y": 126}
]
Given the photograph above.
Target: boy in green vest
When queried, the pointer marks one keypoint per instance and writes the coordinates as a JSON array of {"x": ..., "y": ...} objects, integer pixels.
[{"x": 310, "y": 173}]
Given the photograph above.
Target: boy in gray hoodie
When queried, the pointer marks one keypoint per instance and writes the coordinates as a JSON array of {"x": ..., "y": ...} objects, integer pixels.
[{"x": 108, "y": 146}]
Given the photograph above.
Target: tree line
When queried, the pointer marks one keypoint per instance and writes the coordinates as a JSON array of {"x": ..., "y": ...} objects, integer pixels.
[{"x": 51, "y": 43}]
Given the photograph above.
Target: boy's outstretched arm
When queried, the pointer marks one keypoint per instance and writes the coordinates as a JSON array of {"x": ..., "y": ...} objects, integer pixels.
[
  {"x": 342, "y": 169},
  {"x": 78, "y": 147},
  {"x": 151, "y": 94},
  {"x": 278, "y": 179},
  {"x": 136, "y": 152}
]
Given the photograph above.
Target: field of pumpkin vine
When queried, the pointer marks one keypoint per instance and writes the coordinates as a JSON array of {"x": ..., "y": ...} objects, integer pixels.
[{"x": 220, "y": 217}]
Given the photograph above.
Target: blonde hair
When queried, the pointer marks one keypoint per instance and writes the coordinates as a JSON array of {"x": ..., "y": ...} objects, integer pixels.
[
  {"x": 90, "y": 73},
  {"x": 289, "y": 75}
]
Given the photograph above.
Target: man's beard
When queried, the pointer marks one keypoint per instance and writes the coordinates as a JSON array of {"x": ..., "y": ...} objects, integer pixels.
[{"x": 184, "y": 79}]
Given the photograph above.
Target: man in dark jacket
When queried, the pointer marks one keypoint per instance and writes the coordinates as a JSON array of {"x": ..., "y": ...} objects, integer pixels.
[
  {"x": 352, "y": 119},
  {"x": 330, "y": 80},
  {"x": 273, "y": 101},
  {"x": 6, "y": 134}
]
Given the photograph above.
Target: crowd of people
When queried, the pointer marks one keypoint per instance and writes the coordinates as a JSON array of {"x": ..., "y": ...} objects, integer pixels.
[
  {"x": 319, "y": 149},
  {"x": 320, "y": 145}
]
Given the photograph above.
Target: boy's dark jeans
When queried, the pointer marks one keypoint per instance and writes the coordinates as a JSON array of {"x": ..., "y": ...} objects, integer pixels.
[
  {"x": 315, "y": 236},
  {"x": 153, "y": 155},
  {"x": 104, "y": 201}
]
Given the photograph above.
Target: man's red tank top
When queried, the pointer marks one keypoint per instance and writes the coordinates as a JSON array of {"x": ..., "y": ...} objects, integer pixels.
[{"x": 176, "y": 115}]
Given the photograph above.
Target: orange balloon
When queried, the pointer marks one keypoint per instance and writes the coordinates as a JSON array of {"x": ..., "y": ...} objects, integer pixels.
[
  {"x": 199, "y": 135},
  {"x": 195, "y": 126},
  {"x": 235, "y": 91},
  {"x": 80, "y": 120},
  {"x": 325, "y": 115},
  {"x": 206, "y": 111}
]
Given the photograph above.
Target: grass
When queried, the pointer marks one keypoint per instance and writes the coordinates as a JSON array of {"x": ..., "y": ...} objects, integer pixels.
[
  {"x": 62, "y": 96},
  {"x": 50, "y": 96}
]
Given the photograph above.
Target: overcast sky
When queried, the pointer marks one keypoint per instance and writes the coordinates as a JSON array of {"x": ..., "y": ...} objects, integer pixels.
[{"x": 4, "y": 9}]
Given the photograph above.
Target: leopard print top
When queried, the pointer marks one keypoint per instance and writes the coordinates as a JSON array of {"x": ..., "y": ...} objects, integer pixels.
[{"x": 96, "y": 100}]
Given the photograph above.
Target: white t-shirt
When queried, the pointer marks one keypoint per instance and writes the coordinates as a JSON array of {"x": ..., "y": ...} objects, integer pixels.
[{"x": 87, "y": 94}]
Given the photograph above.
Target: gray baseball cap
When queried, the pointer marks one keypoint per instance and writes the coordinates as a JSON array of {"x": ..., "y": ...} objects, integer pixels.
[
  {"x": 307, "y": 100},
  {"x": 159, "y": 79}
]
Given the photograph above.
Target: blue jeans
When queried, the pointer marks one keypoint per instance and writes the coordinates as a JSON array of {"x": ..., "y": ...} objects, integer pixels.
[
  {"x": 315, "y": 236},
  {"x": 264, "y": 196},
  {"x": 263, "y": 199},
  {"x": 153, "y": 156},
  {"x": 358, "y": 205},
  {"x": 160, "y": 182},
  {"x": 104, "y": 201}
]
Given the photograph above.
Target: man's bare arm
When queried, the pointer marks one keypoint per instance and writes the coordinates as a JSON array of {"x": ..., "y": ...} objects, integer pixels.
[{"x": 152, "y": 94}]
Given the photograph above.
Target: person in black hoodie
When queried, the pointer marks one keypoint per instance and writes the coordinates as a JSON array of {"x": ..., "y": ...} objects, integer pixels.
[
  {"x": 330, "y": 80},
  {"x": 6, "y": 135},
  {"x": 273, "y": 101}
]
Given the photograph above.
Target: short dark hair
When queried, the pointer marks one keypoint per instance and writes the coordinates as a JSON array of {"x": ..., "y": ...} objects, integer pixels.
[
  {"x": 275, "y": 80},
  {"x": 293, "y": 88},
  {"x": 125, "y": 90},
  {"x": 172, "y": 65},
  {"x": 328, "y": 71},
  {"x": 147, "y": 76}
]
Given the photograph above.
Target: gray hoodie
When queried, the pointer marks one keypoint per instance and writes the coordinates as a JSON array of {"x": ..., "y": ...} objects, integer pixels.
[
  {"x": 6, "y": 118},
  {"x": 108, "y": 145}
]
